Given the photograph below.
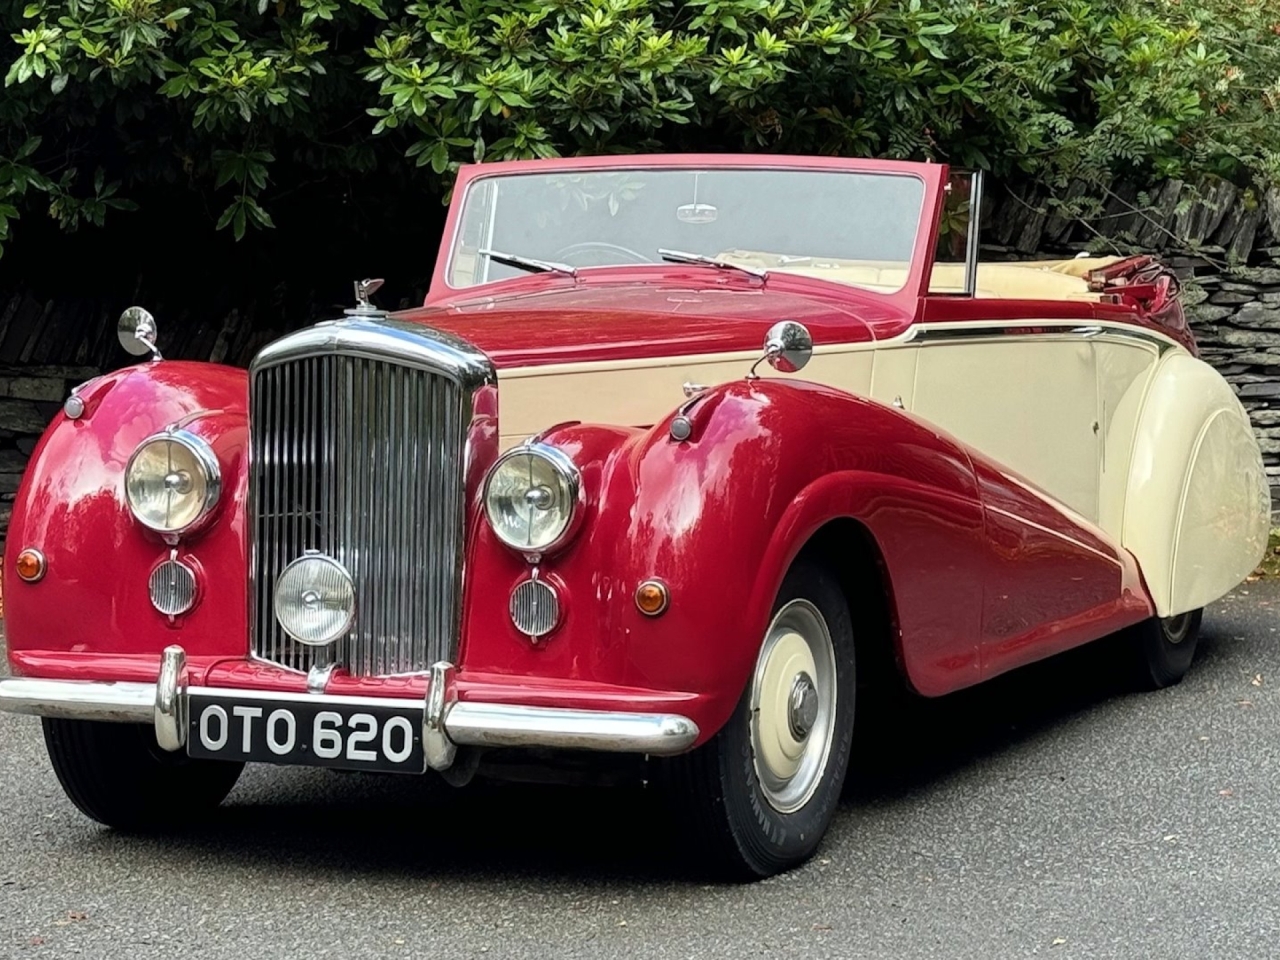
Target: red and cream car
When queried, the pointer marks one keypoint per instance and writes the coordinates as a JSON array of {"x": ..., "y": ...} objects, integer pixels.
[{"x": 569, "y": 504}]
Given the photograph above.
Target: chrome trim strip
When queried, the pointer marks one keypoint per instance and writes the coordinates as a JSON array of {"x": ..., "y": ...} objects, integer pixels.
[
  {"x": 464, "y": 723},
  {"x": 947, "y": 332},
  {"x": 307, "y": 697}
]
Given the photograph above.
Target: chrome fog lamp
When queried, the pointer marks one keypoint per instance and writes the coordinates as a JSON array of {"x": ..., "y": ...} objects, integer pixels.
[
  {"x": 315, "y": 600},
  {"x": 531, "y": 498},
  {"x": 172, "y": 482}
]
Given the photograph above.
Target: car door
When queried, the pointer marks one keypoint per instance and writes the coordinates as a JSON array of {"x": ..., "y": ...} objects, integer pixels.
[
  {"x": 1027, "y": 401},
  {"x": 1029, "y": 404}
]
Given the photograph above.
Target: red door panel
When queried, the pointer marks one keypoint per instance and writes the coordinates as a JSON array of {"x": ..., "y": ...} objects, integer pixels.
[{"x": 1053, "y": 581}]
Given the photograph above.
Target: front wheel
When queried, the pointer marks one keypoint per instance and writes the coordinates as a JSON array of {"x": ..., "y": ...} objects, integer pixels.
[
  {"x": 117, "y": 774},
  {"x": 1161, "y": 649},
  {"x": 759, "y": 796}
]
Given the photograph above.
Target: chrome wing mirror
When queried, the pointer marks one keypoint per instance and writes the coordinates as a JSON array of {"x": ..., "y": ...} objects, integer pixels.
[
  {"x": 137, "y": 332},
  {"x": 787, "y": 346}
]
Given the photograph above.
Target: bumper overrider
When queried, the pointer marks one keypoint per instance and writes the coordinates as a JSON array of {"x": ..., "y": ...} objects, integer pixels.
[{"x": 446, "y": 722}]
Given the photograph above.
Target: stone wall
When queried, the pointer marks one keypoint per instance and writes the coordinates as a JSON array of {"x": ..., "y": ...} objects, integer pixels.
[
  {"x": 1236, "y": 318},
  {"x": 29, "y": 397},
  {"x": 1224, "y": 245}
]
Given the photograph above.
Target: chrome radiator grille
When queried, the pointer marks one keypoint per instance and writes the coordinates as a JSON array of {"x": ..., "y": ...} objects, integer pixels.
[{"x": 361, "y": 459}]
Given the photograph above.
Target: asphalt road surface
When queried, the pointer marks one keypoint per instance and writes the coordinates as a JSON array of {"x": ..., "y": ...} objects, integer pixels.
[{"x": 1049, "y": 813}]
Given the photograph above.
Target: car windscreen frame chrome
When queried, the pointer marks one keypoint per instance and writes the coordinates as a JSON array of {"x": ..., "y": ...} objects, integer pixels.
[{"x": 972, "y": 241}]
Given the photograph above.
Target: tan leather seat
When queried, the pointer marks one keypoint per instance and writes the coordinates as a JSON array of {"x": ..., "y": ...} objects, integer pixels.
[
  {"x": 1013, "y": 280},
  {"x": 1018, "y": 280}
]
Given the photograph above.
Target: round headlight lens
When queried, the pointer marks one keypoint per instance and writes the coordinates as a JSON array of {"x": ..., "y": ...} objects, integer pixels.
[
  {"x": 172, "y": 481},
  {"x": 530, "y": 497},
  {"x": 315, "y": 600}
]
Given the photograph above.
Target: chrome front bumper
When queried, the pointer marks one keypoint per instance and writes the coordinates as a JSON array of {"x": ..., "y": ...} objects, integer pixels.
[{"x": 446, "y": 724}]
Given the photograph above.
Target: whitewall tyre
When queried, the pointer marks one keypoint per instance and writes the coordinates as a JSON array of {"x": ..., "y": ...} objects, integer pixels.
[
  {"x": 117, "y": 774},
  {"x": 759, "y": 796}
]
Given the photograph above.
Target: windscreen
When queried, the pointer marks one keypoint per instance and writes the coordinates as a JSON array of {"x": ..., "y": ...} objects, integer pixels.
[{"x": 850, "y": 227}]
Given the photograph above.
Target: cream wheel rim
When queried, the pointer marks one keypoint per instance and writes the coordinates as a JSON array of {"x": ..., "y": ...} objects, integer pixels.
[{"x": 793, "y": 706}]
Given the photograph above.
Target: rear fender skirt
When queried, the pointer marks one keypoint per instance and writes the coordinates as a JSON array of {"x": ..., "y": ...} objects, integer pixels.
[{"x": 1198, "y": 508}]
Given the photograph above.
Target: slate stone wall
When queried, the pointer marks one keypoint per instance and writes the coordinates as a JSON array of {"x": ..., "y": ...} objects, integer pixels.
[{"x": 1223, "y": 243}]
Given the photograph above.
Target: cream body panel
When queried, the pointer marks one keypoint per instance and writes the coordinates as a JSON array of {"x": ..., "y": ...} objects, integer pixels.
[
  {"x": 642, "y": 392},
  {"x": 1124, "y": 373},
  {"x": 1028, "y": 403},
  {"x": 893, "y": 375},
  {"x": 1197, "y": 511},
  {"x": 1126, "y": 429},
  {"x": 1032, "y": 403}
]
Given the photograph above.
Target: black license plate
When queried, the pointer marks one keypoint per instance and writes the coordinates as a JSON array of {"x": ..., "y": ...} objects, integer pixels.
[{"x": 360, "y": 736}]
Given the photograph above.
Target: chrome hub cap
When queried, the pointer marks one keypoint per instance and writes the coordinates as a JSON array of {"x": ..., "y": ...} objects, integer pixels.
[
  {"x": 793, "y": 706},
  {"x": 803, "y": 711}
]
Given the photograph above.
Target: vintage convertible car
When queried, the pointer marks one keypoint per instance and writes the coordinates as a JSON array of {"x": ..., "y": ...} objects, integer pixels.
[{"x": 566, "y": 509}]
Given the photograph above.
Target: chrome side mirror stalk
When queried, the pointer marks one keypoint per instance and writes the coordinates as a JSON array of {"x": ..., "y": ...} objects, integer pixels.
[
  {"x": 787, "y": 346},
  {"x": 137, "y": 332}
]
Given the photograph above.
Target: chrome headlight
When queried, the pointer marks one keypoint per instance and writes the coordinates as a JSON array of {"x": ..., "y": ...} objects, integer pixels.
[
  {"x": 531, "y": 497},
  {"x": 172, "y": 481},
  {"x": 315, "y": 600}
]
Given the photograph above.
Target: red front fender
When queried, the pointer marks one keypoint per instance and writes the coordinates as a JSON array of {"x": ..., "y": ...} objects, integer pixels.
[
  {"x": 93, "y": 599},
  {"x": 719, "y": 519}
]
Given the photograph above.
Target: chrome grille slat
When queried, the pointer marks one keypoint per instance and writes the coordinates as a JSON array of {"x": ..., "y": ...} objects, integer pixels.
[{"x": 362, "y": 459}]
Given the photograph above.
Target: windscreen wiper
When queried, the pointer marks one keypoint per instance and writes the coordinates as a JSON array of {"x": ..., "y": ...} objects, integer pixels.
[
  {"x": 529, "y": 263},
  {"x": 680, "y": 256}
]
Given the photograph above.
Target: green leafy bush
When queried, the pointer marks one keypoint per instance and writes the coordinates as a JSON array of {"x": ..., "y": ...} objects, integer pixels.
[{"x": 243, "y": 100}]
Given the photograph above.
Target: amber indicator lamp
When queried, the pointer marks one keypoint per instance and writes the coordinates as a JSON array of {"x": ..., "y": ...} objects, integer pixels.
[
  {"x": 30, "y": 565},
  {"x": 652, "y": 597}
]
